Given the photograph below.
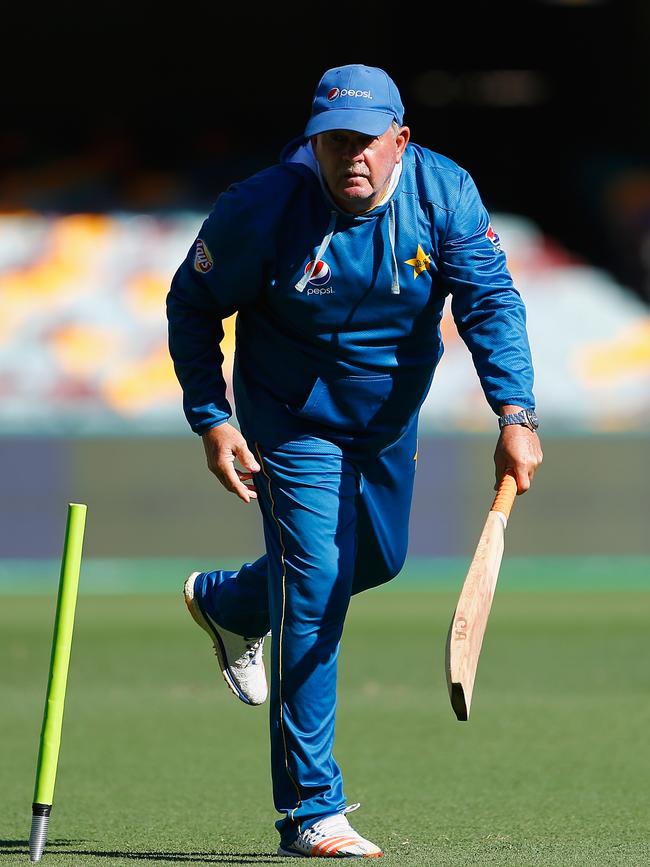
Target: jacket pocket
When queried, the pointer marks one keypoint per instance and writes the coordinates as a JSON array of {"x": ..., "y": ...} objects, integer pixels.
[{"x": 348, "y": 403}]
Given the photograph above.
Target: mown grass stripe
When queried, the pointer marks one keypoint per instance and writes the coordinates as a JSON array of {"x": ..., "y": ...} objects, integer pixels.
[{"x": 159, "y": 575}]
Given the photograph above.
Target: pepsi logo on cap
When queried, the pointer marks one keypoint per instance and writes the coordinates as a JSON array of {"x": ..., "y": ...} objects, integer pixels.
[{"x": 333, "y": 93}]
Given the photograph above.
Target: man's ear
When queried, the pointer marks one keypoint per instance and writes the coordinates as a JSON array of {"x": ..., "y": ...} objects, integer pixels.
[{"x": 402, "y": 139}]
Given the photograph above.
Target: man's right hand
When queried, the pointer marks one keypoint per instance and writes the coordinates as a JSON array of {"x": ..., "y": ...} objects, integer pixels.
[{"x": 223, "y": 445}]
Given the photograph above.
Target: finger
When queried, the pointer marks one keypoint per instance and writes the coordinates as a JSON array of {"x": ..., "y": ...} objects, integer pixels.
[
  {"x": 523, "y": 484},
  {"x": 246, "y": 478},
  {"x": 231, "y": 482},
  {"x": 522, "y": 477},
  {"x": 246, "y": 458}
]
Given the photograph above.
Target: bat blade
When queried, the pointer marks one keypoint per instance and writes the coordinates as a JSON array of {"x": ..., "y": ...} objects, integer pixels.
[{"x": 470, "y": 617}]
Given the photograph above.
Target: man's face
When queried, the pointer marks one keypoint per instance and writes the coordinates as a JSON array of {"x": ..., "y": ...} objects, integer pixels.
[{"x": 357, "y": 167}]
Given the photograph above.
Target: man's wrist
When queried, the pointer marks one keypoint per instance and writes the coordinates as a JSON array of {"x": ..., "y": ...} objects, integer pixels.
[{"x": 513, "y": 414}]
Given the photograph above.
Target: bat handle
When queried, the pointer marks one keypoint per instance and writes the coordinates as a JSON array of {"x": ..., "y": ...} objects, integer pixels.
[{"x": 505, "y": 496}]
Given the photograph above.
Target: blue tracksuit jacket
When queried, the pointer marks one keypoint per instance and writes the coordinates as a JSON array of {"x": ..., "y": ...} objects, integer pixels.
[{"x": 354, "y": 350}]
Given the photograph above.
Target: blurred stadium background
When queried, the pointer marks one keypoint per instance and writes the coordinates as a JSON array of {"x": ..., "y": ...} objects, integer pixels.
[{"x": 103, "y": 190}]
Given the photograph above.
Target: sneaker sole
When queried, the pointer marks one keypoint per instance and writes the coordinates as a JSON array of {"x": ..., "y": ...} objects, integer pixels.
[
  {"x": 286, "y": 853},
  {"x": 198, "y": 617}
]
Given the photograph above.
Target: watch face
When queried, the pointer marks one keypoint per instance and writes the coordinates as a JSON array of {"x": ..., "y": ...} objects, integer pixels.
[{"x": 532, "y": 418}]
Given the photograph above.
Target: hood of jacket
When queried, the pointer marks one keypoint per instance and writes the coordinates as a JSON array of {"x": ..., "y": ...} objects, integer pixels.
[{"x": 299, "y": 150}]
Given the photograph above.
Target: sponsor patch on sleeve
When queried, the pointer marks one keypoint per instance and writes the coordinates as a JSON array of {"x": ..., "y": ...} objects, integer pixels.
[
  {"x": 202, "y": 258},
  {"x": 492, "y": 236}
]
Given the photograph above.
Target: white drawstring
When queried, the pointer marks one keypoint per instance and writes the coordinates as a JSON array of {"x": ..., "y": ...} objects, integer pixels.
[
  {"x": 306, "y": 277},
  {"x": 394, "y": 286}
]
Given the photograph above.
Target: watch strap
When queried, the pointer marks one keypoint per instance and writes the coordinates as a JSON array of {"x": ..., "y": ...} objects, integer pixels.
[{"x": 525, "y": 417}]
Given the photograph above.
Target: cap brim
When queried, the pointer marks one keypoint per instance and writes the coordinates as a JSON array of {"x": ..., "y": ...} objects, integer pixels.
[{"x": 357, "y": 120}]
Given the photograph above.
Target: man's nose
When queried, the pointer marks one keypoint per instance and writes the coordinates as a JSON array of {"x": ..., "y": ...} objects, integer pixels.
[{"x": 353, "y": 151}]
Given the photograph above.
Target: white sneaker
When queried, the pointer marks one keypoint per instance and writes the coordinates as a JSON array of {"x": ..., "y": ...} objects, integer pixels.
[
  {"x": 332, "y": 837},
  {"x": 240, "y": 658}
]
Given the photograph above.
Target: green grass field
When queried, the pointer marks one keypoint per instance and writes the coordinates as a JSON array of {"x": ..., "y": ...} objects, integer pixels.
[{"x": 160, "y": 764}]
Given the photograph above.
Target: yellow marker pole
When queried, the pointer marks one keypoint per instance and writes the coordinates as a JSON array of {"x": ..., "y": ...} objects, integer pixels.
[{"x": 48, "y": 754}]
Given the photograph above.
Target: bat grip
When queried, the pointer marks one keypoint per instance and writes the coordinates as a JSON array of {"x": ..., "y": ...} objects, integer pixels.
[{"x": 505, "y": 496}]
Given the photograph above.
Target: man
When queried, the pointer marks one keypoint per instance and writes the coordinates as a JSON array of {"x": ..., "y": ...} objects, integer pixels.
[{"x": 337, "y": 261}]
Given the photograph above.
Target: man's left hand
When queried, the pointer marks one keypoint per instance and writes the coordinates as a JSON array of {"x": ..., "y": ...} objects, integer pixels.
[{"x": 519, "y": 450}]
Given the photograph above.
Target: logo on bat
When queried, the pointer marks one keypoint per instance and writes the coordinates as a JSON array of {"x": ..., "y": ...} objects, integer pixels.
[{"x": 460, "y": 629}]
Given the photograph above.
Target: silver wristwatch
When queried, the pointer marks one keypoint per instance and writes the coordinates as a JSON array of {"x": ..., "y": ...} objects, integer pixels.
[{"x": 527, "y": 417}]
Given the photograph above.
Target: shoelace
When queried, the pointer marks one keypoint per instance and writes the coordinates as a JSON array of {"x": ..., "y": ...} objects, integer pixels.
[{"x": 253, "y": 645}]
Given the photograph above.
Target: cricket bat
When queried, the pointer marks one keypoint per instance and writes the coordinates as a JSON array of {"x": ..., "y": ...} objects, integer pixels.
[{"x": 468, "y": 623}]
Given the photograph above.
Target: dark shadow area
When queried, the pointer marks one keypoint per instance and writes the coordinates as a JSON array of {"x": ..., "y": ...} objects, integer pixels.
[
  {"x": 552, "y": 122},
  {"x": 182, "y": 857},
  {"x": 24, "y": 844},
  {"x": 60, "y": 847}
]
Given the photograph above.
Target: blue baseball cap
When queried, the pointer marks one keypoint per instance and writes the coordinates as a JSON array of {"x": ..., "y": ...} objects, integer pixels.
[{"x": 360, "y": 98}]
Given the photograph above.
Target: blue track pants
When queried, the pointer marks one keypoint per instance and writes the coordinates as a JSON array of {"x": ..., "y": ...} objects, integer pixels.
[{"x": 333, "y": 526}]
